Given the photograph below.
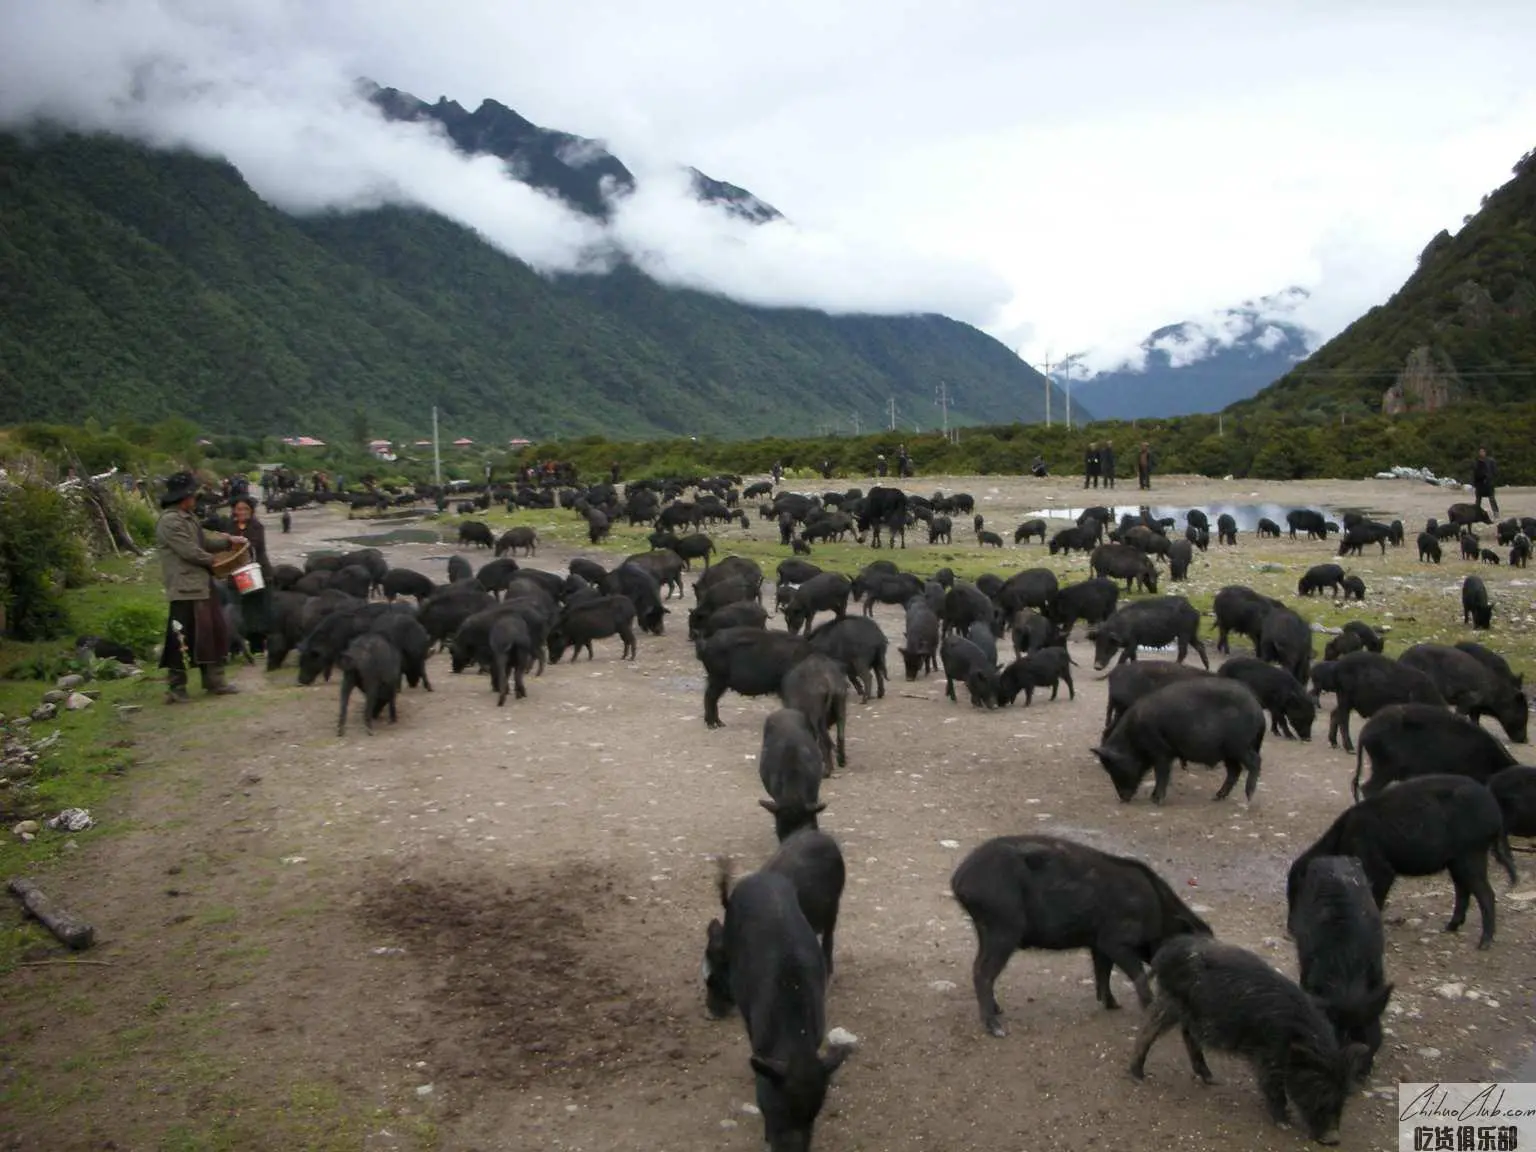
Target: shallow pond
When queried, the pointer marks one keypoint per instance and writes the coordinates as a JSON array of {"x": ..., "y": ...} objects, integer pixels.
[
  {"x": 1246, "y": 515},
  {"x": 393, "y": 536}
]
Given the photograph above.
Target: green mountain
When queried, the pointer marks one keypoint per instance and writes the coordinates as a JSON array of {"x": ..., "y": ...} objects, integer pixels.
[
  {"x": 137, "y": 284},
  {"x": 1462, "y": 329}
]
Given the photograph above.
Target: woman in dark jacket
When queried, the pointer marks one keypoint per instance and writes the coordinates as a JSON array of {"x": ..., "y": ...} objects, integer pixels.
[{"x": 255, "y": 607}]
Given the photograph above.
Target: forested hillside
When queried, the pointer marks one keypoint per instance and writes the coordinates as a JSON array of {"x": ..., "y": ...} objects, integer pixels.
[
  {"x": 1461, "y": 330},
  {"x": 139, "y": 285}
]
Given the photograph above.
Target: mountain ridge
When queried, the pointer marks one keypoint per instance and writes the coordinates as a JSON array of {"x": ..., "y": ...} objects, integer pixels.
[
  {"x": 1203, "y": 366},
  {"x": 154, "y": 283},
  {"x": 1461, "y": 328},
  {"x": 579, "y": 169}
]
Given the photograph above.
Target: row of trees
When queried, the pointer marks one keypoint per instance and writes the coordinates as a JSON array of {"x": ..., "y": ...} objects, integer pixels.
[{"x": 1263, "y": 446}]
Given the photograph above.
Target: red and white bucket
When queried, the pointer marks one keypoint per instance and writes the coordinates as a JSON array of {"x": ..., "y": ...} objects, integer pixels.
[{"x": 248, "y": 579}]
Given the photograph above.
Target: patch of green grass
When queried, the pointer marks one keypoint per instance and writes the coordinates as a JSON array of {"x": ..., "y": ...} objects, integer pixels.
[
  {"x": 219, "y": 914},
  {"x": 1414, "y": 603}
]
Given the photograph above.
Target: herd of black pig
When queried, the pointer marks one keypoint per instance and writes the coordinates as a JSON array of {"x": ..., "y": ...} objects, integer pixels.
[{"x": 1459, "y": 793}]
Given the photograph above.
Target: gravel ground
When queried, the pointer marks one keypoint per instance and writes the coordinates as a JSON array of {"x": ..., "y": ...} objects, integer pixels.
[{"x": 509, "y": 905}]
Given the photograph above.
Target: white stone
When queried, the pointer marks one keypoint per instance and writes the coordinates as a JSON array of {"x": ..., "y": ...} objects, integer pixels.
[
  {"x": 1450, "y": 991},
  {"x": 842, "y": 1038},
  {"x": 1429, "y": 1053},
  {"x": 943, "y": 985}
]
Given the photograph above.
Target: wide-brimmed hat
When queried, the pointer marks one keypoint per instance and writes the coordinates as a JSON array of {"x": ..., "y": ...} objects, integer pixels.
[{"x": 178, "y": 488}]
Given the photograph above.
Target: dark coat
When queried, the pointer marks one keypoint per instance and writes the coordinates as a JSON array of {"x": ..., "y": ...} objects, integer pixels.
[
  {"x": 1483, "y": 472},
  {"x": 256, "y": 533}
]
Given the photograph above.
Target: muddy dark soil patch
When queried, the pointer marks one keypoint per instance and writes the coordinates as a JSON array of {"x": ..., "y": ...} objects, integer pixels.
[{"x": 538, "y": 976}]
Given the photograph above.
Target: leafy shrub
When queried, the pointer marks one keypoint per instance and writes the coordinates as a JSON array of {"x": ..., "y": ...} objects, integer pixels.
[
  {"x": 135, "y": 626},
  {"x": 140, "y": 521},
  {"x": 42, "y": 550}
]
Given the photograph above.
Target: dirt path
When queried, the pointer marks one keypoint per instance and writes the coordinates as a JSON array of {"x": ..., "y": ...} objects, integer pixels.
[{"x": 507, "y": 905}]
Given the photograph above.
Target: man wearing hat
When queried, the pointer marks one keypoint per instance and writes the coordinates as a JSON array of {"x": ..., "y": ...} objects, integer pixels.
[{"x": 196, "y": 632}]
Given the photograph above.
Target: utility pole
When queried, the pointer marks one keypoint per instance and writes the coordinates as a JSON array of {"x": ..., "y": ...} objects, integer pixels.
[
  {"x": 1047, "y": 388},
  {"x": 893, "y": 413},
  {"x": 1068, "y": 365},
  {"x": 943, "y": 403},
  {"x": 437, "y": 459},
  {"x": 855, "y": 423},
  {"x": 1221, "y": 429}
]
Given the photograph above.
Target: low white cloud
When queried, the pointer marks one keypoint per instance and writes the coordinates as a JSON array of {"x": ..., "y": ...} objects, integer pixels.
[
  {"x": 238, "y": 79},
  {"x": 1069, "y": 178}
]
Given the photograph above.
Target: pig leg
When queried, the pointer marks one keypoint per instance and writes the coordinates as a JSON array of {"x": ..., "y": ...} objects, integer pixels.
[
  {"x": 1125, "y": 959},
  {"x": 1163, "y": 1016},
  {"x": 1101, "y": 970},
  {"x": 346, "y": 691},
  {"x": 1272, "y": 1085},
  {"x": 1071, "y": 691},
  {"x": 1251, "y": 762},
  {"x": 715, "y": 688},
  {"x": 1470, "y": 875},
  {"x": 1197, "y": 1057},
  {"x": 1162, "y": 769},
  {"x": 1196, "y": 643},
  {"x": 993, "y": 951}
]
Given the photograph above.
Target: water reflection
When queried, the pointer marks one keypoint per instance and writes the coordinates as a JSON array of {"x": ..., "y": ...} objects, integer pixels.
[{"x": 1246, "y": 515}]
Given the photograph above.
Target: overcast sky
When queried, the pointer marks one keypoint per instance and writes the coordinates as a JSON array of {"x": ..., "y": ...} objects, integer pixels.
[{"x": 1068, "y": 177}]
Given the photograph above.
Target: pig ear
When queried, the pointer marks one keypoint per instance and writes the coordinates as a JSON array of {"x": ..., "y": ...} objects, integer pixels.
[
  {"x": 775, "y": 1070},
  {"x": 771, "y": 805}
]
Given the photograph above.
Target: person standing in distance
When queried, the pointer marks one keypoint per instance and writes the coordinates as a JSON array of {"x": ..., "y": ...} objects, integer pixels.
[{"x": 1484, "y": 470}]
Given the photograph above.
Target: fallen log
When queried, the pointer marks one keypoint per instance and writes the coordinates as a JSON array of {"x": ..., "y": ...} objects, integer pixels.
[{"x": 69, "y": 928}]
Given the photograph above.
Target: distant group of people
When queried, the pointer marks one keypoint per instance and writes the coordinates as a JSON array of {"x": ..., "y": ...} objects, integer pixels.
[
  {"x": 903, "y": 463},
  {"x": 1099, "y": 465}
]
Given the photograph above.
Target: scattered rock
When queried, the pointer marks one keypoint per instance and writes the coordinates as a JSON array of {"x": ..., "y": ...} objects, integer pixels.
[
  {"x": 72, "y": 820},
  {"x": 78, "y": 701},
  {"x": 424, "y": 1090},
  {"x": 943, "y": 985},
  {"x": 1450, "y": 991},
  {"x": 842, "y": 1038},
  {"x": 129, "y": 709},
  {"x": 27, "y": 829},
  {"x": 45, "y": 712},
  {"x": 1429, "y": 1053},
  {"x": 65, "y": 683},
  {"x": 949, "y": 843},
  {"x": 54, "y": 696}
]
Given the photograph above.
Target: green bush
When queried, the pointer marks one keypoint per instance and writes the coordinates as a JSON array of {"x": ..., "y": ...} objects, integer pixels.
[
  {"x": 42, "y": 551},
  {"x": 136, "y": 626},
  {"x": 140, "y": 520}
]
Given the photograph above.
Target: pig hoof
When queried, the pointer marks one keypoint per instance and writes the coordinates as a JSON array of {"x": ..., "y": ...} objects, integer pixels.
[{"x": 995, "y": 1028}]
